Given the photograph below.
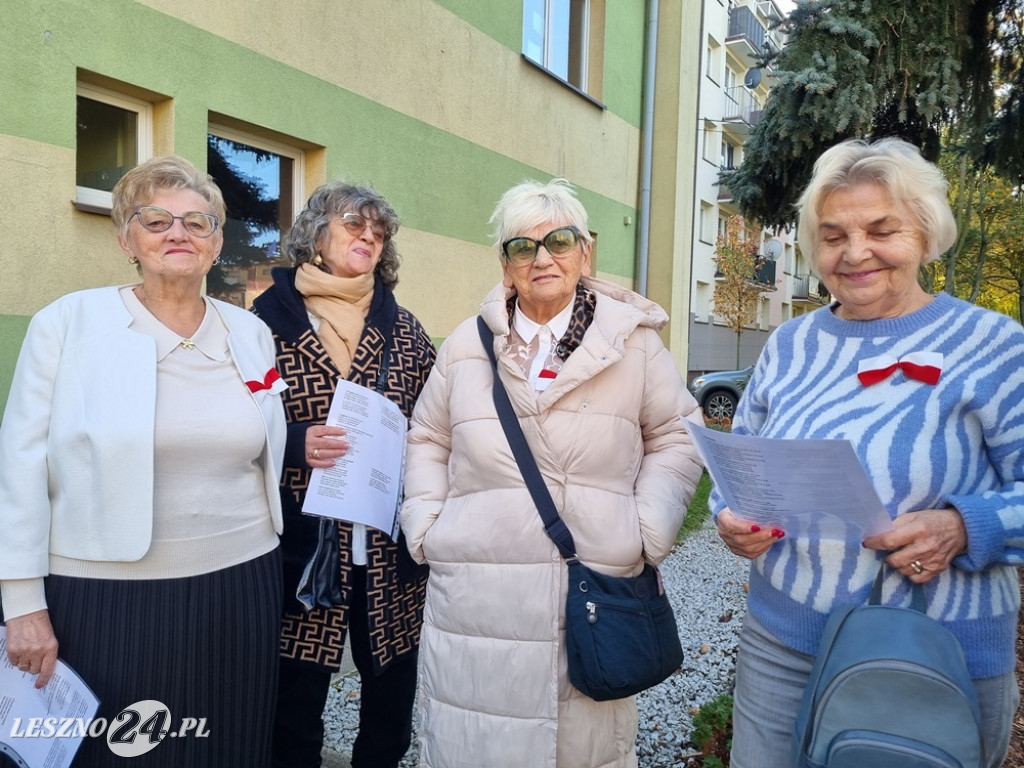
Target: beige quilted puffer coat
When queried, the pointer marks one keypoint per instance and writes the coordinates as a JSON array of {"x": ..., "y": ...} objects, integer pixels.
[{"x": 621, "y": 467}]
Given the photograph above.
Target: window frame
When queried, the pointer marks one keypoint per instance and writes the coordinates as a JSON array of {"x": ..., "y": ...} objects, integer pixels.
[
  {"x": 583, "y": 39},
  {"x": 98, "y": 200},
  {"x": 219, "y": 127},
  {"x": 707, "y": 223},
  {"x": 727, "y": 155},
  {"x": 293, "y": 152},
  {"x": 710, "y": 141},
  {"x": 713, "y": 51}
]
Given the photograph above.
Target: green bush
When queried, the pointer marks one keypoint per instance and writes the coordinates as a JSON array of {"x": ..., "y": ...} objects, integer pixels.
[{"x": 712, "y": 732}]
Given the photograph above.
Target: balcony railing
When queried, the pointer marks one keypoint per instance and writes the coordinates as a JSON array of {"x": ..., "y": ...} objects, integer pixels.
[
  {"x": 763, "y": 275},
  {"x": 743, "y": 105},
  {"x": 810, "y": 289},
  {"x": 743, "y": 25}
]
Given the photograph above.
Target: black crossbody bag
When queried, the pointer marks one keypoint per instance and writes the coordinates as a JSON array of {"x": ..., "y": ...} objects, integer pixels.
[{"x": 620, "y": 633}]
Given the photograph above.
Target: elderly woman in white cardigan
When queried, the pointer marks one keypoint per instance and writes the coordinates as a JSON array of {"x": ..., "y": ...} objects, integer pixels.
[{"x": 140, "y": 454}]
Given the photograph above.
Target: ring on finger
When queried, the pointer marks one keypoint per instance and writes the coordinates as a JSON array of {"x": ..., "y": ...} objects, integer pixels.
[
  {"x": 916, "y": 565},
  {"x": 316, "y": 455}
]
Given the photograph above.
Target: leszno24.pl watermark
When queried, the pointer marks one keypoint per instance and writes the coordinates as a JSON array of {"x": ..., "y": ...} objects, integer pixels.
[{"x": 134, "y": 731}]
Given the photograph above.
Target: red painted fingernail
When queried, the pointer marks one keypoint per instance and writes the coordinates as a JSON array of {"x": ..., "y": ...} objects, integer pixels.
[
  {"x": 755, "y": 528},
  {"x": 779, "y": 534}
]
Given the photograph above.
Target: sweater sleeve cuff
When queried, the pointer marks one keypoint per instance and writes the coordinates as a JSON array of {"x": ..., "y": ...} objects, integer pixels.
[
  {"x": 295, "y": 445},
  {"x": 22, "y": 596},
  {"x": 986, "y": 537}
]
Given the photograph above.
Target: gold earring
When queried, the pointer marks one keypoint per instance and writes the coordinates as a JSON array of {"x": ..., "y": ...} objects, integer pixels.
[
  {"x": 317, "y": 260},
  {"x": 133, "y": 260}
]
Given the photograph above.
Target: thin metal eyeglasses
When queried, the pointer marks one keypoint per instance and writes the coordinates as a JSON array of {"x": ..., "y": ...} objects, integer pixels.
[
  {"x": 523, "y": 250},
  {"x": 355, "y": 224},
  {"x": 157, "y": 219}
]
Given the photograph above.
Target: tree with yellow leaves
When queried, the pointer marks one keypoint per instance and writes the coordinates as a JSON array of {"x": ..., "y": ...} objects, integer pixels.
[{"x": 737, "y": 291}]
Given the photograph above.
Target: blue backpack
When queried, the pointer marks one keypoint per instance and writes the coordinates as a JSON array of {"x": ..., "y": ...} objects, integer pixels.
[{"x": 889, "y": 689}]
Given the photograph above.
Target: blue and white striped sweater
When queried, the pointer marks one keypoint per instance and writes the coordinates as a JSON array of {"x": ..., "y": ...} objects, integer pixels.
[{"x": 958, "y": 443}]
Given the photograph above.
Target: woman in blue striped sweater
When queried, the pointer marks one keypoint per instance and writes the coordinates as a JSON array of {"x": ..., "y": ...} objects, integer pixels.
[{"x": 930, "y": 391}]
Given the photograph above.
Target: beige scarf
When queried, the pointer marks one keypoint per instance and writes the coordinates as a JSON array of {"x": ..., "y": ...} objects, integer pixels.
[{"x": 342, "y": 304}]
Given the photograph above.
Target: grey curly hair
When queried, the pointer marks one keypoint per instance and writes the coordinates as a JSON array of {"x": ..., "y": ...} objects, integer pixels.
[{"x": 333, "y": 199}]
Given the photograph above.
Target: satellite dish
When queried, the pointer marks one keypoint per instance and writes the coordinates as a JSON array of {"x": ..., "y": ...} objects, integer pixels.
[
  {"x": 772, "y": 249},
  {"x": 753, "y": 78}
]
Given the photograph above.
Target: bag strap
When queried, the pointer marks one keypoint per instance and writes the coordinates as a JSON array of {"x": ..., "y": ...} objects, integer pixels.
[
  {"x": 553, "y": 523},
  {"x": 917, "y": 598},
  {"x": 388, "y": 332}
]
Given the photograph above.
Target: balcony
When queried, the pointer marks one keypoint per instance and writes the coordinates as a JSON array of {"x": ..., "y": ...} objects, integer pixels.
[
  {"x": 742, "y": 107},
  {"x": 808, "y": 289},
  {"x": 746, "y": 34},
  {"x": 763, "y": 275},
  {"x": 770, "y": 10}
]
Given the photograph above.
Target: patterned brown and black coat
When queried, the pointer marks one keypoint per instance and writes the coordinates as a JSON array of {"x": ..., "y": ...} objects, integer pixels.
[{"x": 395, "y": 584}]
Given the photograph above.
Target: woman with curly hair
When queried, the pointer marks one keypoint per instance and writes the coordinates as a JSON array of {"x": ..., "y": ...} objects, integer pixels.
[{"x": 334, "y": 316}]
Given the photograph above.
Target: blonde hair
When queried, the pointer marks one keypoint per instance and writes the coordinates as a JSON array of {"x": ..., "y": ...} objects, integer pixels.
[
  {"x": 896, "y": 166},
  {"x": 139, "y": 185}
]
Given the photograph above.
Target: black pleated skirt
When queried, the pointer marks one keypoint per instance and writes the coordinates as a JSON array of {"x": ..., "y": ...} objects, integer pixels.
[{"x": 205, "y": 646}]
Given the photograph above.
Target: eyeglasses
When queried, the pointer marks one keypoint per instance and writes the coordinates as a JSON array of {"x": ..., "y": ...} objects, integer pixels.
[
  {"x": 158, "y": 220},
  {"x": 523, "y": 250},
  {"x": 355, "y": 225}
]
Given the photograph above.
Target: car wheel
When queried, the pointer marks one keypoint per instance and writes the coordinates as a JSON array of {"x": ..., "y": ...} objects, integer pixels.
[{"x": 719, "y": 405}]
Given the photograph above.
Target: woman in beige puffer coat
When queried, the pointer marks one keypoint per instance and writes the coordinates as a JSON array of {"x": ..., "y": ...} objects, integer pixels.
[{"x": 600, "y": 400}]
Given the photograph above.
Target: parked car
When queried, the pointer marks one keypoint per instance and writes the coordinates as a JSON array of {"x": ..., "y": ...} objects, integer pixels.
[{"x": 718, "y": 393}]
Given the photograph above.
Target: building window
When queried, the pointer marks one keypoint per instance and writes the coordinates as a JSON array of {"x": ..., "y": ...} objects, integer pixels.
[
  {"x": 727, "y": 159},
  {"x": 707, "y": 223},
  {"x": 262, "y": 185},
  {"x": 703, "y": 309},
  {"x": 713, "y": 59},
  {"x": 709, "y": 141},
  {"x": 556, "y": 34},
  {"x": 114, "y": 134},
  {"x": 730, "y": 82}
]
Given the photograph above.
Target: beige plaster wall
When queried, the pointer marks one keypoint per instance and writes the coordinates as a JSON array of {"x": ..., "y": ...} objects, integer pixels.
[
  {"x": 49, "y": 250},
  {"x": 442, "y": 281},
  {"x": 431, "y": 65}
]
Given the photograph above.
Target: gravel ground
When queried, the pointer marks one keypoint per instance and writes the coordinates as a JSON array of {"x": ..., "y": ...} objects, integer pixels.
[{"x": 706, "y": 584}]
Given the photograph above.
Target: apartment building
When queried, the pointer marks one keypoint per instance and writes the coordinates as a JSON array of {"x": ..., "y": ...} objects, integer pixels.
[
  {"x": 439, "y": 104},
  {"x": 733, "y": 90}
]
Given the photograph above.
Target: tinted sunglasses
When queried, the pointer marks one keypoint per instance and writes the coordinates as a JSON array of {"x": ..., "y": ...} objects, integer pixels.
[
  {"x": 355, "y": 224},
  {"x": 523, "y": 250}
]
